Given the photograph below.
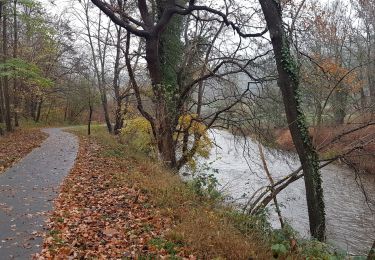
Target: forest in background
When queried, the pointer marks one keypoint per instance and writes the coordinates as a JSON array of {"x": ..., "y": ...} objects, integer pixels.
[{"x": 299, "y": 75}]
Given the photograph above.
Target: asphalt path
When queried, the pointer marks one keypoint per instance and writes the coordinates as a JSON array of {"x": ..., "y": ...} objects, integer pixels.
[{"x": 27, "y": 191}]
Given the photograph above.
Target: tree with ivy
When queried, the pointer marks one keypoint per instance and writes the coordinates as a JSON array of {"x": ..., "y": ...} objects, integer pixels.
[
  {"x": 162, "y": 26},
  {"x": 288, "y": 83}
]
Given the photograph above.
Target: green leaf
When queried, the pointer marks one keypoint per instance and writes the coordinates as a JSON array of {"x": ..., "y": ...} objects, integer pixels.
[
  {"x": 28, "y": 72},
  {"x": 279, "y": 249}
]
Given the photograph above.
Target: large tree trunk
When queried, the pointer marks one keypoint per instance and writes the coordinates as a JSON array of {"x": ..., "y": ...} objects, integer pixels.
[
  {"x": 163, "y": 125},
  {"x": 161, "y": 129},
  {"x": 165, "y": 130},
  {"x": 289, "y": 85},
  {"x": 161, "y": 57},
  {"x": 168, "y": 54},
  {"x": 8, "y": 118},
  {"x": 163, "y": 54}
]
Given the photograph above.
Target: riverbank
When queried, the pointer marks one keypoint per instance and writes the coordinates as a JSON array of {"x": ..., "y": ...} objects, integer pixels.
[
  {"x": 328, "y": 143},
  {"x": 16, "y": 145},
  {"x": 118, "y": 203}
]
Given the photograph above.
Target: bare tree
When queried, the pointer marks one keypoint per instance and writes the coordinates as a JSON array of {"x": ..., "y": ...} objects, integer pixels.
[{"x": 98, "y": 37}]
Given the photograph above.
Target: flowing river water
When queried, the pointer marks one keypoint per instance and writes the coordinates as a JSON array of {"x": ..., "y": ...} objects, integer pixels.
[{"x": 350, "y": 217}]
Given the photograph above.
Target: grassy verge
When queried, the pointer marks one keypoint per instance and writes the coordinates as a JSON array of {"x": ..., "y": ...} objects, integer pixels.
[
  {"x": 30, "y": 123},
  {"x": 112, "y": 180}
]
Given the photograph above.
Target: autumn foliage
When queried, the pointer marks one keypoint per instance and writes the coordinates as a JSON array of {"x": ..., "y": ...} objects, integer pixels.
[
  {"x": 361, "y": 159},
  {"x": 137, "y": 133},
  {"x": 329, "y": 74}
]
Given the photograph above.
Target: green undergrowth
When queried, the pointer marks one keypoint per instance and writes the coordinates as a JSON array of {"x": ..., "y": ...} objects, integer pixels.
[
  {"x": 30, "y": 123},
  {"x": 205, "y": 225}
]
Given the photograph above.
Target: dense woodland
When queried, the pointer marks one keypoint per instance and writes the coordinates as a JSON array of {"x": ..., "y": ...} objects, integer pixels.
[{"x": 292, "y": 74}]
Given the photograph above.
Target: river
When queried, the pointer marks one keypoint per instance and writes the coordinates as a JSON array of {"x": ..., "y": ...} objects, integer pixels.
[{"x": 350, "y": 218}]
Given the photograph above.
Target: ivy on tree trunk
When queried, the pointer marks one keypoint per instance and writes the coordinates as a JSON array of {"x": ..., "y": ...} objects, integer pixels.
[{"x": 288, "y": 83}]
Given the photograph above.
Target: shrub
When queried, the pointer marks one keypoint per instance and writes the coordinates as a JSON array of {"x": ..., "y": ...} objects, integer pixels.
[
  {"x": 189, "y": 123},
  {"x": 137, "y": 132}
]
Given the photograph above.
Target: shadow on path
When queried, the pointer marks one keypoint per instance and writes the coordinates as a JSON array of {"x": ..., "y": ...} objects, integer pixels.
[{"x": 27, "y": 191}]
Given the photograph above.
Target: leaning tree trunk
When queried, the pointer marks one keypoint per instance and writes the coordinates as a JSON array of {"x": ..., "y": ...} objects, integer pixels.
[{"x": 289, "y": 85}]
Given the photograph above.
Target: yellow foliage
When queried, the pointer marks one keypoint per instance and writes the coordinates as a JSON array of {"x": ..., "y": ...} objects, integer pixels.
[
  {"x": 131, "y": 112},
  {"x": 138, "y": 133},
  {"x": 189, "y": 122}
]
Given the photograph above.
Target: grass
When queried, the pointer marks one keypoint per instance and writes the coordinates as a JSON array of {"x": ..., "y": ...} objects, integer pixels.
[
  {"x": 208, "y": 228},
  {"x": 30, "y": 123}
]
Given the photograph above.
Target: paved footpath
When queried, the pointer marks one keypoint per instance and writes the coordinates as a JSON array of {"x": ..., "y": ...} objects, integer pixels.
[{"x": 27, "y": 191}]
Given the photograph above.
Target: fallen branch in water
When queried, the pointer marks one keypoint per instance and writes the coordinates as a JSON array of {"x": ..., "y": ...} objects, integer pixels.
[{"x": 271, "y": 191}]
